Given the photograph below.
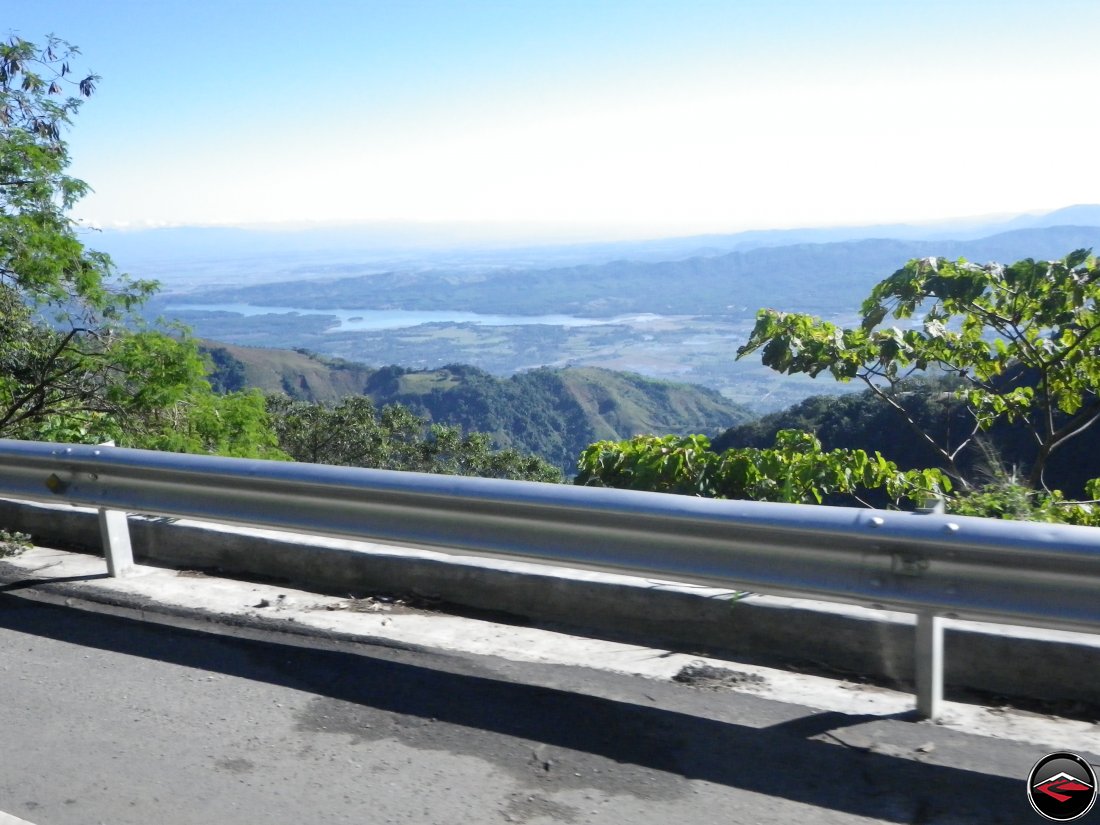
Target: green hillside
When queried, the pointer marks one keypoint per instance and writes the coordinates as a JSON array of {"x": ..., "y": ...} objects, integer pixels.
[
  {"x": 621, "y": 403},
  {"x": 297, "y": 373},
  {"x": 554, "y": 413}
]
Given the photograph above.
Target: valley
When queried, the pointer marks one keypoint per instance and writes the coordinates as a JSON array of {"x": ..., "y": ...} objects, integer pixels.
[
  {"x": 693, "y": 349},
  {"x": 678, "y": 320}
]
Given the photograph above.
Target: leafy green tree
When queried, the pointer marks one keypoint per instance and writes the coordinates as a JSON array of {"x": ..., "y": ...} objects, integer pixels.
[
  {"x": 355, "y": 433},
  {"x": 795, "y": 470},
  {"x": 49, "y": 371},
  {"x": 40, "y": 253},
  {"x": 1022, "y": 338},
  {"x": 235, "y": 424},
  {"x": 348, "y": 434},
  {"x": 1008, "y": 500},
  {"x": 446, "y": 450},
  {"x": 76, "y": 364}
]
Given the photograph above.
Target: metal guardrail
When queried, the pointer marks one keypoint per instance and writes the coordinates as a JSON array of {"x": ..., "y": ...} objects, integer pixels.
[{"x": 936, "y": 566}]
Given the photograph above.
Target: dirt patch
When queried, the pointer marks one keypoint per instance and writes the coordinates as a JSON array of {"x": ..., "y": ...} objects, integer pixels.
[{"x": 715, "y": 678}]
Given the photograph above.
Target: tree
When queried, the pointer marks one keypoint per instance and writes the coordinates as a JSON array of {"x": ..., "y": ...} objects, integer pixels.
[
  {"x": 235, "y": 424},
  {"x": 355, "y": 433},
  {"x": 1024, "y": 339},
  {"x": 76, "y": 361},
  {"x": 40, "y": 254},
  {"x": 795, "y": 470}
]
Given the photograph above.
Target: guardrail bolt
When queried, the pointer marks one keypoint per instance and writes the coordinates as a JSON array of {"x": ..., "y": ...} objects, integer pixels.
[{"x": 55, "y": 484}]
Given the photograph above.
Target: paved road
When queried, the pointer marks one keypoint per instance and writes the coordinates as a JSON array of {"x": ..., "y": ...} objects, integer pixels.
[{"x": 110, "y": 720}]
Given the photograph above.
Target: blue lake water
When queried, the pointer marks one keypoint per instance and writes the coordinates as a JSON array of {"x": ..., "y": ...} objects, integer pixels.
[{"x": 351, "y": 320}]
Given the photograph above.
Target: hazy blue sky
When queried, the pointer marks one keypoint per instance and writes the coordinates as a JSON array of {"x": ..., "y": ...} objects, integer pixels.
[{"x": 602, "y": 116}]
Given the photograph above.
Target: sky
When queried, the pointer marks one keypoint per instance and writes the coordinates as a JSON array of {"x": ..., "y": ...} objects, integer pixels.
[{"x": 563, "y": 119}]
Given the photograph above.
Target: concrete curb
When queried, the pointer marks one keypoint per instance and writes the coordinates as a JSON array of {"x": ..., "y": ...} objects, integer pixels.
[
  {"x": 15, "y": 581},
  {"x": 1004, "y": 661}
]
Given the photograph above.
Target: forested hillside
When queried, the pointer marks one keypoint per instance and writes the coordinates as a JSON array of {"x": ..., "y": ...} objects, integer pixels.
[
  {"x": 554, "y": 413},
  {"x": 298, "y": 374},
  {"x": 862, "y": 421}
]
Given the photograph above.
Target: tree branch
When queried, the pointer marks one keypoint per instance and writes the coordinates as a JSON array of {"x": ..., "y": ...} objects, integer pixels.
[
  {"x": 1076, "y": 425},
  {"x": 43, "y": 381},
  {"x": 953, "y": 468}
]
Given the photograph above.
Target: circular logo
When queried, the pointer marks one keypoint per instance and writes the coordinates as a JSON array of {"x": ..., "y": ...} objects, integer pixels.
[{"x": 1062, "y": 787}]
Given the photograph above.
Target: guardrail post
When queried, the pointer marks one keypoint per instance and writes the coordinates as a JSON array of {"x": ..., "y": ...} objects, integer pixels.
[
  {"x": 929, "y": 664},
  {"x": 114, "y": 533}
]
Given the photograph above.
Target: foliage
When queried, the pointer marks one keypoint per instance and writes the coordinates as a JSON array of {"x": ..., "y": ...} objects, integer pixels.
[
  {"x": 13, "y": 543},
  {"x": 40, "y": 253},
  {"x": 138, "y": 388},
  {"x": 1004, "y": 496},
  {"x": 1022, "y": 337},
  {"x": 49, "y": 371},
  {"x": 1015, "y": 501},
  {"x": 236, "y": 424},
  {"x": 80, "y": 383},
  {"x": 794, "y": 470},
  {"x": 76, "y": 364},
  {"x": 355, "y": 433}
]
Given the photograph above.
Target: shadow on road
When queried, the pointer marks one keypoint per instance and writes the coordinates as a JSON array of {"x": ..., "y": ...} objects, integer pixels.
[
  {"x": 779, "y": 761},
  {"x": 26, "y": 584}
]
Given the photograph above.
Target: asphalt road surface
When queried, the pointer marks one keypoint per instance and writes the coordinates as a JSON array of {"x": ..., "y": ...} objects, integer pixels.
[{"x": 111, "y": 720}]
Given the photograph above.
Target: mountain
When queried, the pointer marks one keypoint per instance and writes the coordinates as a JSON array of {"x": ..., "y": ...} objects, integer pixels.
[
  {"x": 440, "y": 245},
  {"x": 554, "y": 413},
  {"x": 1085, "y": 214},
  {"x": 822, "y": 278}
]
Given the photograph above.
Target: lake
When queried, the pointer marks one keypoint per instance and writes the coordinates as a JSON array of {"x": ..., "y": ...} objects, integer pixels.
[{"x": 351, "y": 320}]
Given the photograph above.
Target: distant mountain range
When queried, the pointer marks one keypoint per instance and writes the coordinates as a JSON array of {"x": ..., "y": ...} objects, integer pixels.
[
  {"x": 415, "y": 246},
  {"x": 822, "y": 278},
  {"x": 555, "y": 413}
]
